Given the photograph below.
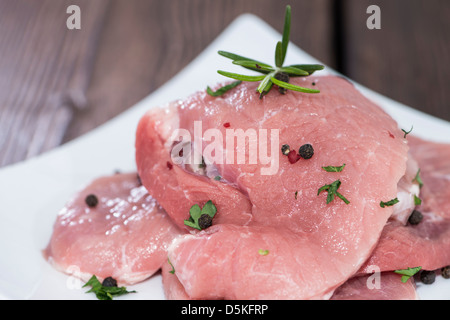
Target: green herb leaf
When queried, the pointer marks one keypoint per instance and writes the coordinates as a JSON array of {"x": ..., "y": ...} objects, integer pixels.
[
  {"x": 234, "y": 56},
  {"x": 263, "y": 252},
  {"x": 254, "y": 65},
  {"x": 210, "y": 209},
  {"x": 310, "y": 68},
  {"x": 418, "y": 179},
  {"x": 286, "y": 34},
  {"x": 222, "y": 90},
  {"x": 293, "y": 87},
  {"x": 195, "y": 213},
  {"x": 240, "y": 76},
  {"x": 407, "y": 132},
  {"x": 105, "y": 293},
  {"x": 332, "y": 192},
  {"x": 173, "y": 269},
  {"x": 279, "y": 54},
  {"x": 217, "y": 178},
  {"x": 408, "y": 273},
  {"x": 294, "y": 72},
  {"x": 334, "y": 169},
  {"x": 265, "y": 84},
  {"x": 389, "y": 203},
  {"x": 417, "y": 200},
  {"x": 296, "y": 194}
]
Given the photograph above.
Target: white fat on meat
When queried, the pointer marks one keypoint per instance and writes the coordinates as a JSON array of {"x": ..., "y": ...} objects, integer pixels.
[{"x": 408, "y": 188}]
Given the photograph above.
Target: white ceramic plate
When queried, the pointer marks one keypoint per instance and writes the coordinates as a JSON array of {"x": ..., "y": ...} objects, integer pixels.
[{"x": 32, "y": 192}]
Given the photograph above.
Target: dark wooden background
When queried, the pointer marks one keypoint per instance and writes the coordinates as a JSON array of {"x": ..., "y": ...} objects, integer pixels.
[{"x": 56, "y": 84}]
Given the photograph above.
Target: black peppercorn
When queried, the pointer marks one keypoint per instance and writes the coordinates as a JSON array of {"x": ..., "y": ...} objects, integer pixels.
[
  {"x": 109, "y": 282},
  {"x": 282, "y": 77},
  {"x": 427, "y": 277},
  {"x": 285, "y": 149},
  {"x": 205, "y": 221},
  {"x": 306, "y": 151},
  {"x": 415, "y": 217},
  {"x": 445, "y": 272},
  {"x": 91, "y": 200}
]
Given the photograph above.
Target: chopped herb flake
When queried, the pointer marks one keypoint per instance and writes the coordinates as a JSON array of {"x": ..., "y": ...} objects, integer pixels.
[
  {"x": 389, "y": 203},
  {"x": 218, "y": 178},
  {"x": 263, "y": 252},
  {"x": 334, "y": 169},
  {"x": 417, "y": 200},
  {"x": 418, "y": 179},
  {"x": 296, "y": 194},
  {"x": 332, "y": 191},
  {"x": 407, "y": 273},
  {"x": 173, "y": 269}
]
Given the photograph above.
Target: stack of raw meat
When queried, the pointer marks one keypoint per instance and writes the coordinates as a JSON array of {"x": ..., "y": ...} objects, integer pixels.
[{"x": 273, "y": 236}]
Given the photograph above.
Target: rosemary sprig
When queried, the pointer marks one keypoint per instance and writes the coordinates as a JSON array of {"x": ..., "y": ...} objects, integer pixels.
[{"x": 271, "y": 74}]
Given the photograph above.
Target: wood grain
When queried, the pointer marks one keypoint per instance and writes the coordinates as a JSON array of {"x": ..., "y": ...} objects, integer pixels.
[
  {"x": 44, "y": 72},
  {"x": 409, "y": 58}
]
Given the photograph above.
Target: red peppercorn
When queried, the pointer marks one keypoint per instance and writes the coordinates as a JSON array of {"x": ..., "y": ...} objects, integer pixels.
[
  {"x": 169, "y": 165},
  {"x": 293, "y": 156},
  {"x": 226, "y": 124}
]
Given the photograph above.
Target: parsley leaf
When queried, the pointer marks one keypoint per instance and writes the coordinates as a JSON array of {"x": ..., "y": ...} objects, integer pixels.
[
  {"x": 334, "y": 169},
  {"x": 196, "y": 213},
  {"x": 407, "y": 273},
  {"x": 332, "y": 191},
  {"x": 389, "y": 203},
  {"x": 103, "y": 292}
]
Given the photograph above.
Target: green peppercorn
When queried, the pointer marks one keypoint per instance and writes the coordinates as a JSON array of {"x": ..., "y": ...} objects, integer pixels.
[
  {"x": 427, "y": 277},
  {"x": 415, "y": 217},
  {"x": 285, "y": 149},
  {"x": 445, "y": 272},
  {"x": 306, "y": 151},
  {"x": 205, "y": 221},
  {"x": 91, "y": 200},
  {"x": 109, "y": 282}
]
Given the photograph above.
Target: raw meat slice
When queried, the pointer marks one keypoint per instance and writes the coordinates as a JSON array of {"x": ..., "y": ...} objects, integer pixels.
[
  {"x": 125, "y": 236},
  {"x": 365, "y": 288},
  {"x": 341, "y": 124},
  {"x": 177, "y": 188},
  {"x": 428, "y": 243}
]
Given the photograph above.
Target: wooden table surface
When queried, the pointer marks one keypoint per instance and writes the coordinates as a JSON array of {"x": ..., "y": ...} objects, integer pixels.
[{"x": 56, "y": 83}]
